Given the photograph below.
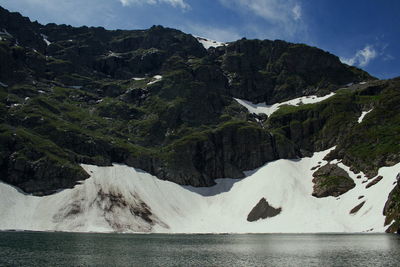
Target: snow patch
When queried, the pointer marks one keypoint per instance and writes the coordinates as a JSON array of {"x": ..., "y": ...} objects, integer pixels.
[
  {"x": 155, "y": 78},
  {"x": 262, "y": 108},
  {"x": 3, "y": 84},
  {"x": 363, "y": 114},
  {"x": 45, "y": 39},
  {"x": 124, "y": 199},
  {"x": 138, "y": 79},
  {"x": 112, "y": 54},
  {"x": 5, "y": 32},
  {"x": 209, "y": 43}
]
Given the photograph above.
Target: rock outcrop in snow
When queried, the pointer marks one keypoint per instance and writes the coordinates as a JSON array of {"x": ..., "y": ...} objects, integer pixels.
[
  {"x": 331, "y": 180},
  {"x": 263, "y": 211}
]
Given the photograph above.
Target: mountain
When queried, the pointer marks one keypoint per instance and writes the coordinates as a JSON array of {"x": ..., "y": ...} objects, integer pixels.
[{"x": 159, "y": 101}]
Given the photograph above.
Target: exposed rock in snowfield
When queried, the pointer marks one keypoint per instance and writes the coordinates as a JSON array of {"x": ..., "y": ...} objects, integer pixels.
[
  {"x": 331, "y": 180},
  {"x": 262, "y": 211}
]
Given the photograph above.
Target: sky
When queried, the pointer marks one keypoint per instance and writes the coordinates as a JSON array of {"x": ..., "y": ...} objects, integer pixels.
[{"x": 363, "y": 33}]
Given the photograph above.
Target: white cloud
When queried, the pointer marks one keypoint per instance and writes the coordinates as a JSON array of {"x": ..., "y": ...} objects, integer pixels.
[
  {"x": 175, "y": 3},
  {"x": 362, "y": 57},
  {"x": 296, "y": 12},
  {"x": 284, "y": 17},
  {"x": 271, "y": 10}
]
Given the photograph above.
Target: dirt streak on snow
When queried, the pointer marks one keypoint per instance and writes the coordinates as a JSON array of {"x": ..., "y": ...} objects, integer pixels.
[{"x": 121, "y": 198}]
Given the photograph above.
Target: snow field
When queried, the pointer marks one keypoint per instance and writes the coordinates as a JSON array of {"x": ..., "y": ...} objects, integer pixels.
[{"x": 222, "y": 208}]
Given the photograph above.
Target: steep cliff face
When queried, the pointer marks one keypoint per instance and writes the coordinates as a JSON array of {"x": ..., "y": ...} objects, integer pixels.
[
  {"x": 224, "y": 152},
  {"x": 392, "y": 209},
  {"x": 272, "y": 71}
]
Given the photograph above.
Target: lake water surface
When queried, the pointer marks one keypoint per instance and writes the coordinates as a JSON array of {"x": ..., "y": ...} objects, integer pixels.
[{"x": 73, "y": 249}]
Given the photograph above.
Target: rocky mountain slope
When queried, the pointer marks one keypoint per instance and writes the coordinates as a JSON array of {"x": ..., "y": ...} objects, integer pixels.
[{"x": 157, "y": 100}]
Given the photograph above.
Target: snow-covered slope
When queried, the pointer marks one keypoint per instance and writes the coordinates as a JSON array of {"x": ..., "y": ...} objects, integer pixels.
[
  {"x": 209, "y": 43},
  {"x": 262, "y": 108},
  {"x": 120, "y": 198}
]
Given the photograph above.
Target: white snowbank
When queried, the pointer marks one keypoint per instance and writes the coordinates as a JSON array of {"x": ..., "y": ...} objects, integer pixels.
[
  {"x": 155, "y": 78},
  {"x": 115, "y": 199},
  {"x": 363, "y": 114},
  {"x": 45, "y": 39},
  {"x": 209, "y": 43},
  {"x": 138, "y": 79},
  {"x": 262, "y": 108},
  {"x": 3, "y": 84}
]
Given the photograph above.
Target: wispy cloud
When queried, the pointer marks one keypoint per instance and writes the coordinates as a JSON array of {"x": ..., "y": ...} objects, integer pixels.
[
  {"x": 284, "y": 16},
  {"x": 175, "y": 3},
  {"x": 213, "y": 33},
  {"x": 296, "y": 12},
  {"x": 362, "y": 57}
]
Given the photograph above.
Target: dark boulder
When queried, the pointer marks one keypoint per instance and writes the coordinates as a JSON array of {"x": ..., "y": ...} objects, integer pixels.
[
  {"x": 331, "y": 180},
  {"x": 263, "y": 211}
]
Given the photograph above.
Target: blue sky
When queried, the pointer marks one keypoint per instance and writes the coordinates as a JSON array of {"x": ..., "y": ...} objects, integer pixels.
[{"x": 364, "y": 33}]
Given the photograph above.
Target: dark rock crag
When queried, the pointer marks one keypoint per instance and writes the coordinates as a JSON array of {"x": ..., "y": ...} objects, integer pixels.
[
  {"x": 331, "y": 180},
  {"x": 263, "y": 211},
  {"x": 392, "y": 209},
  {"x": 357, "y": 208}
]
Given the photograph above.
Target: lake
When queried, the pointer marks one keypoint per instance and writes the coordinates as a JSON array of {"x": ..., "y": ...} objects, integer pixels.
[{"x": 77, "y": 249}]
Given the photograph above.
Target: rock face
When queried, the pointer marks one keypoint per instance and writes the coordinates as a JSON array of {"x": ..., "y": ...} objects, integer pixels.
[
  {"x": 262, "y": 211},
  {"x": 331, "y": 180},
  {"x": 226, "y": 152},
  {"x": 392, "y": 209},
  {"x": 271, "y": 71}
]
